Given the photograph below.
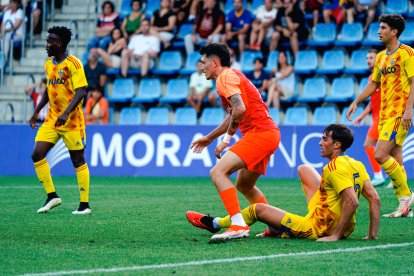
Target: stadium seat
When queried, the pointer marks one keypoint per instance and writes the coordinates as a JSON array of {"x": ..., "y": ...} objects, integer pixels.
[
  {"x": 358, "y": 63},
  {"x": 190, "y": 63},
  {"x": 177, "y": 91},
  {"x": 275, "y": 114},
  {"x": 130, "y": 116},
  {"x": 184, "y": 30},
  {"x": 345, "y": 121},
  {"x": 295, "y": 94},
  {"x": 111, "y": 115},
  {"x": 324, "y": 115},
  {"x": 314, "y": 90},
  {"x": 271, "y": 61},
  {"x": 212, "y": 116},
  {"x": 122, "y": 91},
  {"x": 333, "y": 62},
  {"x": 256, "y": 4},
  {"x": 185, "y": 116},
  {"x": 323, "y": 35},
  {"x": 306, "y": 62},
  {"x": 296, "y": 116},
  {"x": 170, "y": 63},
  {"x": 149, "y": 91},
  {"x": 407, "y": 37},
  {"x": 396, "y": 7},
  {"x": 362, "y": 84},
  {"x": 151, "y": 7},
  {"x": 342, "y": 90},
  {"x": 371, "y": 39},
  {"x": 125, "y": 9},
  {"x": 158, "y": 116},
  {"x": 247, "y": 60},
  {"x": 350, "y": 35}
]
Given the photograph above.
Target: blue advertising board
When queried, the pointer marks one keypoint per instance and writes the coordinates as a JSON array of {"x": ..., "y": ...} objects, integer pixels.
[{"x": 163, "y": 151}]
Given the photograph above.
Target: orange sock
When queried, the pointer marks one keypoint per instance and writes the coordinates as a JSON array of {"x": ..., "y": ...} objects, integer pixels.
[
  {"x": 230, "y": 201},
  {"x": 374, "y": 164},
  {"x": 261, "y": 200}
]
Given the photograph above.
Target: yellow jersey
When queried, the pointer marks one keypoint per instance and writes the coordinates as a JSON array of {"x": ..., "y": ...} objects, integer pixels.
[
  {"x": 393, "y": 71},
  {"x": 61, "y": 80},
  {"x": 340, "y": 173}
]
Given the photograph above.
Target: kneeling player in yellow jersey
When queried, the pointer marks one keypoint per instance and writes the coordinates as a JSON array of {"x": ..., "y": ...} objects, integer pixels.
[
  {"x": 66, "y": 83},
  {"x": 332, "y": 198}
]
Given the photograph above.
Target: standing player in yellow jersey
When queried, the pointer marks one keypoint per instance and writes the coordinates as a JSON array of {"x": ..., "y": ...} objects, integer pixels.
[
  {"x": 394, "y": 74},
  {"x": 66, "y": 84},
  {"x": 332, "y": 198}
]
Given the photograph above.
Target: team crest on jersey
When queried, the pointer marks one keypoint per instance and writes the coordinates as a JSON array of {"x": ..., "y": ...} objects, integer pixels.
[
  {"x": 60, "y": 73},
  {"x": 393, "y": 61}
]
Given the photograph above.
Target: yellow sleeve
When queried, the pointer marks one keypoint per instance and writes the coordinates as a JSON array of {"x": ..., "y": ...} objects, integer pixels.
[
  {"x": 363, "y": 172},
  {"x": 409, "y": 66},
  {"x": 78, "y": 76},
  {"x": 341, "y": 178},
  {"x": 376, "y": 76}
]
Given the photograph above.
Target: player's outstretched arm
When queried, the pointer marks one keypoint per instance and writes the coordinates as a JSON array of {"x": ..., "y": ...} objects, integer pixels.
[
  {"x": 43, "y": 101},
  {"x": 368, "y": 91},
  {"x": 364, "y": 113},
  {"x": 348, "y": 209},
  {"x": 374, "y": 202},
  {"x": 79, "y": 95}
]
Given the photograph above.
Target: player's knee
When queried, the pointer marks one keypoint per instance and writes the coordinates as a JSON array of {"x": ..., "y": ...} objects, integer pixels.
[
  {"x": 243, "y": 189},
  {"x": 37, "y": 156},
  {"x": 78, "y": 161},
  {"x": 260, "y": 209},
  {"x": 380, "y": 157},
  {"x": 303, "y": 169}
]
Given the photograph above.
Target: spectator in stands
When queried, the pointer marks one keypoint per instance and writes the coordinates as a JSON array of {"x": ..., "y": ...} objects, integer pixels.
[
  {"x": 238, "y": 23},
  {"x": 107, "y": 21},
  {"x": 259, "y": 77},
  {"x": 142, "y": 51},
  {"x": 233, "y": 61},
  {"x": 263, "y": 24},
  {"x": 181, "y": 8},
  {"x": 349, "y": 9},
  {"x": 15, "y": 15},
  {"x": 333, "y": 9},
  {"x": 112, "y": 56},
  {"x": 208, "y": 26},
  {"x": 290, "y": 26},
  {"x": 314, "y": 7},
  {"x": 199, "y": 87},
  {"x": 131, "y": 24},
  {"x": 370, "y": 10},
  {"x": 95, "y": 71},
  {"x": 97, "y": 107},
  {"x": 163, "y": 23},
  {"x": 283, "y": 83},
  {"x": 36, "y": 91},
  {"x": 35, "y": 7}
]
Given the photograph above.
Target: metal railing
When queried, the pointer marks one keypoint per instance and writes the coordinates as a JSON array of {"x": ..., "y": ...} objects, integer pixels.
[
  {"x": 75, "y": 32},
  {"x": 29, "y": 80},
  {"x": 6, "y": 58},
  {"x": 10, "y": 106}
]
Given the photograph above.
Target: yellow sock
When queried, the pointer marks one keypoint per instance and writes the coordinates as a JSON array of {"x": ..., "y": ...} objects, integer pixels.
[
  {"x": 398, "y": 176},
  {"x": 82, "y": 173},
  {"x": 43, "y": 174},
  {"x": 249, "y": 216}
]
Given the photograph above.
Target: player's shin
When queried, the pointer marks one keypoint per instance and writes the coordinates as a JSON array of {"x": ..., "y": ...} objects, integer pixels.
[
  {"x": 398, "y": 176},
  {"x": 82, "y": 174},
  {"x": 43, "y": 174}
]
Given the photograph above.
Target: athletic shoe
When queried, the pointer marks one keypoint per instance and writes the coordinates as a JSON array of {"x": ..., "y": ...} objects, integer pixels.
[
  {"x": 85, "y": 211},
  {"x": 201, "y": 221},
  {"x": 409, "y": 214},
  {"x": 403, "y": 207},
  {"x": 234, "y": 232},
  {"x": 270, "y": 234},
  {"x": 376, "y": 181},
  {"x": 50, "y": 204}
]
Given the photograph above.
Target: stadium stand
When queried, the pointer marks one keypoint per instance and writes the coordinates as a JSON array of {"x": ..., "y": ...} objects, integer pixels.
[
  {"x": 190, "y": 63},
  {"x": 271, "y": 62},
  {"x": 350, "y": 35},
  {"x": 296, "y": 116},
  {"x": 306, "y": 62},
  {"x": 275, "y": 114},
  {"x": 123, "y": 90},
  {"x": 342, "y": 90},
  {"x": 324, "y": 116},
  {"x": 169, "y": 64},
  {"x": 357, "y": 63},
  {"x": 314, "y": 90},
  {"x": 333, "y": 62},
  {"x": 212, "y": 116},
  {"x": 371, "y": 38},
  {"x": 158, "y": 116},
  {"x": 149, "y": 91},
  {"x": 247, "y": 60},
  {"x": 324, "y": 34},
  {"x": 358, "y": 112},
  {"x": 177, "y": 91},
  {"x": 185, "y": 116},
  {"x": 130, "y": 116},
  {"x": 407, "y": 36},
  {"x": 398, "y": 7}
]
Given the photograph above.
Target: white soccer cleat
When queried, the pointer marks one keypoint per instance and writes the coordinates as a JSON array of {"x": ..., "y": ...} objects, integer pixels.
[
  {"x": 234, "y": 232},
  {"x": 86, "y": 211},
  {"x": 409, "y": 214},
  {"x": 50, "y": 204},
  {"x": 403, "y": 208},
  {"x": 376, "y": 181}
]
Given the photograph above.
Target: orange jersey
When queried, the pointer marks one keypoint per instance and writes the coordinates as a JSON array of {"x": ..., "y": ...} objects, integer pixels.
[
  {"x": 375, "y": 102},
  {"x": 257, "y": 116},
  {"x": 62, "y": 79},
  {"x": 393, "y": 71}
]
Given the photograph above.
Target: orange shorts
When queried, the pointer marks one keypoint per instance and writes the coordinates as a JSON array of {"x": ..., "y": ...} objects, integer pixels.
[
  {"x": 373, "y": 130},
  {"x": 255, "y": 149}
]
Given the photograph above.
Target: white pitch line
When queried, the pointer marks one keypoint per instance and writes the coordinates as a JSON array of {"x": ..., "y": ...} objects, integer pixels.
[{"x": 220, "y": 261}]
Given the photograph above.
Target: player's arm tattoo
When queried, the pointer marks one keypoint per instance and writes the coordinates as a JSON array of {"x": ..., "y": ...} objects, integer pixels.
[{"x": 237, "y": 113}]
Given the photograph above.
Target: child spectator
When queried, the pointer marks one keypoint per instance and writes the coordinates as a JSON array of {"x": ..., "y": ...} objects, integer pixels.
[
  {"x": 131, "y": 24},
  {"x": 97, "y": 107},
  {"x": 112, "y": 56},
  {"x": 199, "y": 87},
  {"x": 36, "y": 96}
]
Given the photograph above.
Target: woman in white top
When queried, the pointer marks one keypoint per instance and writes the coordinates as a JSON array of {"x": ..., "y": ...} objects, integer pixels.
[
  {"x": 13, "y": 14},
  {"x": 283, "y": 84}
]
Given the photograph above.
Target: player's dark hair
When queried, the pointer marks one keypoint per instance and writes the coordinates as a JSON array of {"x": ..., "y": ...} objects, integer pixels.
[
  {"x": 62, "y": 32},
  {"x": 395, "y": 21},
  {"x": 108, "y": 3},
  {"x": 373, "y": 50},
  {"x": 219, "y": 50},
  {"x": 342, "y": 134}
]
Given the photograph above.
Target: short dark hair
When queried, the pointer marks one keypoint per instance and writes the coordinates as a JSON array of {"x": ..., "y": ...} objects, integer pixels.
[
  {"x": 219, "y": 50},
  {"x": 108, "y": 3},
  {"x": 259, "y": 60},
  {"x": 62, "y": 32},
  {"x": 97, "y": 88},
  {"x": 139, "y": 1},
  {"x": 395, "y": 21},
  {"x": 373, "y": 50},
  {"x": 341, "y": 133}
]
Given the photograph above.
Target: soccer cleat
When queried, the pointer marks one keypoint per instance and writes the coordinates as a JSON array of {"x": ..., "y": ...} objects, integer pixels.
[
  {"x": 85, "y": 211},
  {"x": 376, "y": 181},
  {"x": 234, "y": 232},
  {"x": 50, "y": 204},
  {"x": 270, "y": 234},
  {"x": 409, "y": 214},
  {"x": 403, "y": 208},
  {"x": 201, "y": 221}
]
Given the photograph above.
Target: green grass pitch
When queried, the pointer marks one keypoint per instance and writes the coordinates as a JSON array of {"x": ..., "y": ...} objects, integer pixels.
[{"x": 139, "y": 224}]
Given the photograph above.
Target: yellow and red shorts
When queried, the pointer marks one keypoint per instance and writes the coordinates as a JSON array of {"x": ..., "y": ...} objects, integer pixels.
[
  {"x": 255, "y": 149},
  {"x": 73, "y": 139},
  {"x": 390, "y": 129}
]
